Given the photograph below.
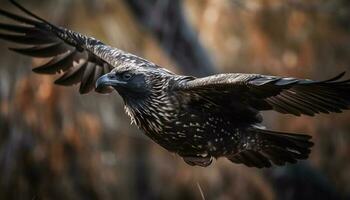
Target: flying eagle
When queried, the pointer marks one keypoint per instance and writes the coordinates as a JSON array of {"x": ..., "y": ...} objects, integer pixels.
[{"x": 196, "y": 118}]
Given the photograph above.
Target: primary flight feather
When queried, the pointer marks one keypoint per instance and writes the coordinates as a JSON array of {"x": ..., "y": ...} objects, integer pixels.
[{"x": 197, "y": 118}]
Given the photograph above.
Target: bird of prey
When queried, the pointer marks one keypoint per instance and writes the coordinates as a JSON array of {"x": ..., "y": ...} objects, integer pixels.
[{"x": 197, "y": 118}]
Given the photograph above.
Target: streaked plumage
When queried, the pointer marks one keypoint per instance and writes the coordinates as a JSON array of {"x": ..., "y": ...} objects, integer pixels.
[{"x": 197, "y": 118}]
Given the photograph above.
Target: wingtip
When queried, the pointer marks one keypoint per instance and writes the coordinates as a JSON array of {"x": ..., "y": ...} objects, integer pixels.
[
  {"x": 37, "y": 70},
  {"x": 13, "y": 2},
  {"x": 42, "y": 70},
  {"x": 339, "y": 76},
  {"x": 83, "y": 92},
  {"x": 25, "y": 10},
  {"x": 13, "y": 49},
  {"x": 16, "y": 4},
  {"x": 342, "y": 74},
  {"x": 61, "y": 81}
]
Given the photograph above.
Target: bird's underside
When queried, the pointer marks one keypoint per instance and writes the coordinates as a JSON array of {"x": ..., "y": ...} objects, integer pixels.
[{"x": 197, "y": 118}]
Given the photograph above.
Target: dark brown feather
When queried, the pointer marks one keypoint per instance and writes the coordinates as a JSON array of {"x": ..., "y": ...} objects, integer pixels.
[
  {"x": 73, "y": 75},
  {"x": 47, "y": 40},
  {"x": 20, "y": 19},
  {"x": 57, "y": 64},
  {"x": 88, "y": 76},
  {"x": 24, "y": 39},
  {"x": 17, "y": 28},
  {"x": 43, "y": 51}
]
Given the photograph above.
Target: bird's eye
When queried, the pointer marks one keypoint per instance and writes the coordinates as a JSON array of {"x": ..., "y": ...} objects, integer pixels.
[{"x": 127, "y": 76}]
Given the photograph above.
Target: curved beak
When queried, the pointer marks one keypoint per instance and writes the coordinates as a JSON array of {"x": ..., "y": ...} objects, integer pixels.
[{"x": 108, "y": 80}]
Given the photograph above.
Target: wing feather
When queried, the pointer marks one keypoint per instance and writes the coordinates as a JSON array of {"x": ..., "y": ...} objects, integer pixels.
[
  {"x": 56, "y": 64},
  {"x": 29, "y": 39},
  {"x": 73, "y": 75},
  {"x": 88, "y": 76},
  {"x": 16, "y": 28},
  {"x": 285, "y": 95},
  {"x": 67, "y": 48},
  {"x": 42, "y": 51}
]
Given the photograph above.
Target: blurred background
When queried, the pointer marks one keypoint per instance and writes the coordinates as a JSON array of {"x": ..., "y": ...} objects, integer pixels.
[{"x": 57, "y": 144}]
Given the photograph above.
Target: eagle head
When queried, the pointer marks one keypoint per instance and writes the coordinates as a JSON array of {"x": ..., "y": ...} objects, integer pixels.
[{"x": 134, "y": 84}]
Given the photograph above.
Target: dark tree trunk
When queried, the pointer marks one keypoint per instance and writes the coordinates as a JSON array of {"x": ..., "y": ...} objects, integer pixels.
[{"x": 166, "y": 21}]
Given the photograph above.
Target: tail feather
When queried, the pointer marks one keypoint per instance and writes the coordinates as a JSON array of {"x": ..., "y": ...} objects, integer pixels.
[{"x": 273, "y": 147}]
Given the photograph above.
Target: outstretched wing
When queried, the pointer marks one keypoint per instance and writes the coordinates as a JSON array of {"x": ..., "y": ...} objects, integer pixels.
[
  {"x": 285, "y": 95},
  {"x": 80, "y": 59}
]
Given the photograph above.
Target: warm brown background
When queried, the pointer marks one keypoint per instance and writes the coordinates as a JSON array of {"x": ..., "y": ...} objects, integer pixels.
[{"x": 57, "y": 144}]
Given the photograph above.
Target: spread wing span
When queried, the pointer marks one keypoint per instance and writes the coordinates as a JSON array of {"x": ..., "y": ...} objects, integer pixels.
[
  {"x": 80, "y": 59},
  {"x": 285, "y": 95}
]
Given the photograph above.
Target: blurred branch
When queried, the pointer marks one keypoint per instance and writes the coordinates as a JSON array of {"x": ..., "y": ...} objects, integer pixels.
[{"x": 166, "y": 21}]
